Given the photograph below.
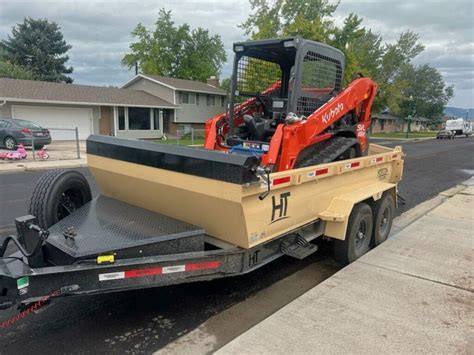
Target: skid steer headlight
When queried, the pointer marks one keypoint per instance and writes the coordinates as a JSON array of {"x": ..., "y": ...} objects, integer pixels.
[
  {"x": 288, "y": 44},
  {"x": 239, "y": 48}
]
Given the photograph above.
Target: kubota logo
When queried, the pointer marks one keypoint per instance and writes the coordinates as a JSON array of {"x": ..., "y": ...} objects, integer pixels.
[{"x": 328, "y": 116}]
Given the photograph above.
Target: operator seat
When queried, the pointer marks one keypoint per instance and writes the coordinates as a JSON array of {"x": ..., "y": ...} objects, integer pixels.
[{"x": 256, "y": 127}]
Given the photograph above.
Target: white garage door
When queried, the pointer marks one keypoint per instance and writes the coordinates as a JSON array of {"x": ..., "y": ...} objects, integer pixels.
[{"x": 58, "y": 117}]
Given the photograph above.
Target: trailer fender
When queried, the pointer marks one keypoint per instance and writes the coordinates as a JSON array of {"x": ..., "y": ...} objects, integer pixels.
[{"x": 340, "y": 208}]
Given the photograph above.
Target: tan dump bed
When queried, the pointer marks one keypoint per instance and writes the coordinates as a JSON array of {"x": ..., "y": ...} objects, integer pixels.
[{"x": 235, "y": 214}]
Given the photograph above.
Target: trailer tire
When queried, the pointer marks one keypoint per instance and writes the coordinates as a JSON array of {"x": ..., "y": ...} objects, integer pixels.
[
  {"x": 384, "y": 210},
  {"x": 57, "y": 194},
  {"x": 358, "y": 235}
]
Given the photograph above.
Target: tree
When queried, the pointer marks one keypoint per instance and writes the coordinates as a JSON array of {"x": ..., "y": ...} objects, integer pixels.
[
  {"x": 13, "y": 71},
  {"x": 388, "y": 64},
  {"x": 176, "y": 51},
  {"x": 310, "y": 19},
  {"x": 39, "y": 47},
  {"x": 426, "y": 94}
]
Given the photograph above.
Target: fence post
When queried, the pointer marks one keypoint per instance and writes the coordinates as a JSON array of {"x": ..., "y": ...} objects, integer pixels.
[
  {"x": 192, "y": 136},
  {"x": 177, "y": 136},
  {"x": 33, "y": 146},
  {"x": 77, "y": 143}
]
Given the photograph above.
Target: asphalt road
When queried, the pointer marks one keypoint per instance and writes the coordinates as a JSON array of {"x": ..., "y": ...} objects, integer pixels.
[{"x": 146, "y": 320}]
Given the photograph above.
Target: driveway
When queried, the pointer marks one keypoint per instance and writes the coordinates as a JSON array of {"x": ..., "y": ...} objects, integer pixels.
[{"x": 60, "y": 150}]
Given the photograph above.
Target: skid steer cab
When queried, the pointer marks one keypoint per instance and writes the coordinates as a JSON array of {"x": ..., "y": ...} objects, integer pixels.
[{"x": 289, "y": 108}]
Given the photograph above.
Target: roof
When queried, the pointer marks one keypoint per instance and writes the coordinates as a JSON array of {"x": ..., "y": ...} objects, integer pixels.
[
  {"x": 178, "y": 84},
  {"x": 48, "y": 92},
  {"x": 386, "y": 116},
  {"x": 421, "y": 119}
]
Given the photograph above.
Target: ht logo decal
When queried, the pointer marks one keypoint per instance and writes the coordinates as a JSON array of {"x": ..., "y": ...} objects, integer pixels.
[{"x": 281, "y": 207}]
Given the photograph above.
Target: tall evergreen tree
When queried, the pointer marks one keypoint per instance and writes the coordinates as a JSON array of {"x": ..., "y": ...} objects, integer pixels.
[{"x": 39, "y": 47}]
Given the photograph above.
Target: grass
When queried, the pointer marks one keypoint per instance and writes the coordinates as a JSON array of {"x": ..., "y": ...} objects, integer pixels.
[
  {"x": 424, "y": 134},
  {"x": 183, "y": 141}
]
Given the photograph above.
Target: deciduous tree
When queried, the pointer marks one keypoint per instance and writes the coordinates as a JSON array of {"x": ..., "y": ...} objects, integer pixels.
[{"x": 176, "y": 51}]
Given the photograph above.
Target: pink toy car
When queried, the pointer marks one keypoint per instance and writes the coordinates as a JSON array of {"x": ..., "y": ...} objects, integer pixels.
[{"x": 18, "y": 154}]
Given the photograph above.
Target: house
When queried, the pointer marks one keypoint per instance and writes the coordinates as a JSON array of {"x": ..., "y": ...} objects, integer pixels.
[
  {"x": 99, "y": 110},
  {"x": 387, "y": 122},
  {"x": 390, "y": 122},
  {"x": 418, "y": 124},
  {"x": 146, "y": 107},
  {"x": 196, "y": 101}
]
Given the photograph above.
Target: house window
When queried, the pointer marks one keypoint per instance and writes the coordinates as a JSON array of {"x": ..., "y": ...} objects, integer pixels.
[
  {"x": 139, "y": 118},
  {"x": 156, "y": 118},
  {"x": 211, "y": 100},
  {"x": 197, "y": 99},
  {"x": 222, "y": 101},
  {"x": 121, "y": 118},
  {"x": 187, "y": 98}
]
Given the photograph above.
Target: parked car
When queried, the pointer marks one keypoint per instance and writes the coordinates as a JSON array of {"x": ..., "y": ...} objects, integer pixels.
[
  {"x": 445, "y": 134},
  {"x": 15, "y": 131}
]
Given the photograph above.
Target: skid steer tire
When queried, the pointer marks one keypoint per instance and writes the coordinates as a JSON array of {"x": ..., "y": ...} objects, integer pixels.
[
  {"x": 57, "y": 194},
  {"x": 358, "y": 235},
  {"x": 384, "y": 210}
]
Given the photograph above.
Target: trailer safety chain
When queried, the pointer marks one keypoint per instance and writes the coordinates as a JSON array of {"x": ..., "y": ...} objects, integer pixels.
[{"x": 34, "y": 307}]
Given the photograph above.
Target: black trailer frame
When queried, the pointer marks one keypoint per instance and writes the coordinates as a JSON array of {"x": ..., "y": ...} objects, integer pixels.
[{"x": 22, "y": 284}]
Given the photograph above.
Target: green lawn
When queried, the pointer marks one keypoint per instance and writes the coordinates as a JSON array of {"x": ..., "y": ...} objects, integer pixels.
[
  {"x": 183, "y": 141},
  {"x": 424, "y": 134}
]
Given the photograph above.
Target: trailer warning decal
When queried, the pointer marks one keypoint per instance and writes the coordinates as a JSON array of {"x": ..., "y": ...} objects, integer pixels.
[{"x": 128, "y": 274}]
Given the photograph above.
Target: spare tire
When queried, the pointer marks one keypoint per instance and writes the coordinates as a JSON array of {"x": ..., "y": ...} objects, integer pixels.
[{"x": 57, "y": 194}]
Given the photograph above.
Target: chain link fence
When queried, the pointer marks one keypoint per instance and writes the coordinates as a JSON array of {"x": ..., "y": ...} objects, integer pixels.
[{"x": 190, "y": 136}]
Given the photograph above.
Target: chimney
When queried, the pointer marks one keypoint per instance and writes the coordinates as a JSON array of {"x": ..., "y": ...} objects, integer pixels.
[{"x": 213, "y": 81}]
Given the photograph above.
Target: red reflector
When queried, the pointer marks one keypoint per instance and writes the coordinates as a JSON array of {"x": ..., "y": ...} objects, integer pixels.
[
  {"x": 203, "y": 266},
  {"x": 281, "y": 180},
  {"x": 379, "y": 159},
  {"x": 143, "y": 272},
  {"x": 322, "y": 171},
  {"x": 355, "y": 165}
]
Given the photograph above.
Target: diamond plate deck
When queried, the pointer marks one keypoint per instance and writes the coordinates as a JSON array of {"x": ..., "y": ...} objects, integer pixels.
[{"x": 108, "y": 225}]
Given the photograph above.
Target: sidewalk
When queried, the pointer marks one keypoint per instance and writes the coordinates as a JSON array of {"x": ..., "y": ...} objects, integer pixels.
[
  {"x": 20, "y": 166},
  {"x": 412, "y": 294}
]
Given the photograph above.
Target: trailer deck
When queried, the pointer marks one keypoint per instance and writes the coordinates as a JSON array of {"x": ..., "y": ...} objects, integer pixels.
[{"x": 112, "y": 227}]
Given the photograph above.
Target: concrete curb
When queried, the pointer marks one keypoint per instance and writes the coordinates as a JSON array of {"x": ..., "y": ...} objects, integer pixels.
[{"x": 402, "y": 139}]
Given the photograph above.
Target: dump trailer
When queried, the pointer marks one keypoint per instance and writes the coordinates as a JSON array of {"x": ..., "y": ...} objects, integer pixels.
[
  {"x": 155, "y": 225},
  {"x": 287, "y": 164}
]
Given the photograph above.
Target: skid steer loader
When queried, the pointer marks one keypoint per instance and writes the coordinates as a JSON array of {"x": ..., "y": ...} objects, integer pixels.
[{"x": 288, "y": 107}]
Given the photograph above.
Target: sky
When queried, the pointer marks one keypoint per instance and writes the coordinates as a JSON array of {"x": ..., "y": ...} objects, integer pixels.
[{"x": 99, "y": 32}]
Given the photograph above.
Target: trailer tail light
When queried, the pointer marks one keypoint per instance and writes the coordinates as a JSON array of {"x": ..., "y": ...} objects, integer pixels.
[
  {"x": 160, "y": 270},
  {"x": 355, "y": 164},
  {"x": 379, "y": 159},
  {"x": 25, "y": 131},
  {"x": 281, "y": 180},
  {"x": 321, "y": 171}
]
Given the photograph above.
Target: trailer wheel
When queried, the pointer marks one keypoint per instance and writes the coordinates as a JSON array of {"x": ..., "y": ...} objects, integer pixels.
[
  {"x": 383, "y": 218},
  {"x": 57, "y": 194},
  {"x": 358, "y": 235}
]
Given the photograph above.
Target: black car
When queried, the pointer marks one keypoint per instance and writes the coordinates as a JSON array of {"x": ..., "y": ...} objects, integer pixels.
[{"x": 14, "y": 132}]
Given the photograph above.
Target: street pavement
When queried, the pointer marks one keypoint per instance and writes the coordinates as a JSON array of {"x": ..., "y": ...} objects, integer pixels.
[{"x": 147, "y": 320}]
